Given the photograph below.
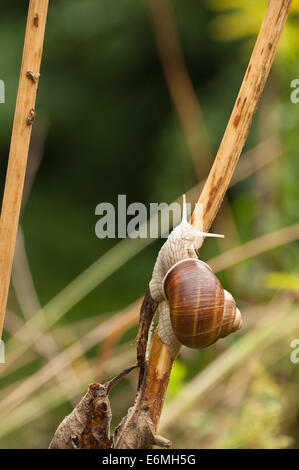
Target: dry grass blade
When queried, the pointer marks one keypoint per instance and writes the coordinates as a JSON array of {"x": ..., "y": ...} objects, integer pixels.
[
  {"x": 71, "y": 295},
  {"x": 56, "y": 365},
  {"x": 28, "y": 300},
  {"x": 255, "y": 247}
]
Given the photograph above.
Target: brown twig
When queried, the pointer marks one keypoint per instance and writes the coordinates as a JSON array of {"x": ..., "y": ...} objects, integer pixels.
[
  {"x": 24, "y": 116},
  {"x": 155, "y": 382},
  {"x": 147, "y": 312}
]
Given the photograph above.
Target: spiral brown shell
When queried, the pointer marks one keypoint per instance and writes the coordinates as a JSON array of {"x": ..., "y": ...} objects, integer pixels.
[{"x": 201, "y": 311}]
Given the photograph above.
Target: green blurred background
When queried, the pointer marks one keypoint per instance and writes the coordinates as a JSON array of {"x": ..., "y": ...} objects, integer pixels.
[{"x": 107, "y": 125}]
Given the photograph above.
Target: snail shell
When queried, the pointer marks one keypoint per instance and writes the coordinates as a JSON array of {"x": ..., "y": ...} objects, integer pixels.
[{"x": 201, "y": 311}]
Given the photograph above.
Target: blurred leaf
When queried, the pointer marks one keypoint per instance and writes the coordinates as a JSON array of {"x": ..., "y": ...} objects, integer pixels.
[
  {"x": 237, "y": 19},
  {"x": 285, "y": 281},
  {"x": 178, "y": 374}
]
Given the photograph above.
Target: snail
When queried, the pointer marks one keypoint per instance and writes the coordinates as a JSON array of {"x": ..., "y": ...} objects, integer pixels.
[
  {"x": 201, "y": 311},
  {"x": 194, "y": 309}
]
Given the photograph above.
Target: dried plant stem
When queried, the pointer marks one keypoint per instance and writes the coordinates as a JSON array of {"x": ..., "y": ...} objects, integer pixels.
[
  {"x": 160, "y": 362},
  {"x": 24, "y": 117},
  {"x": 160, "y": 365}
]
